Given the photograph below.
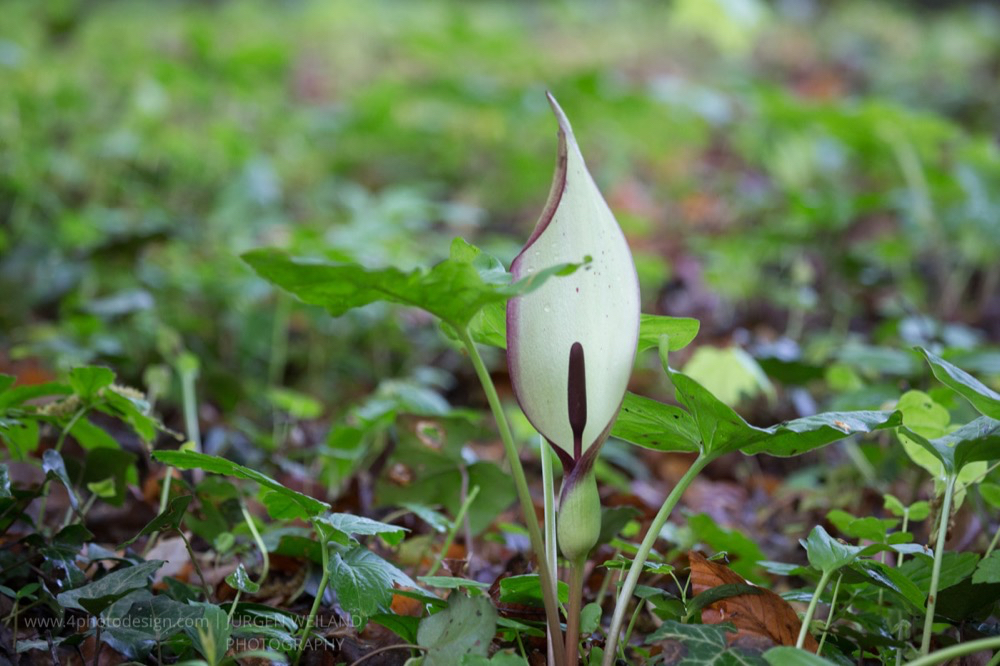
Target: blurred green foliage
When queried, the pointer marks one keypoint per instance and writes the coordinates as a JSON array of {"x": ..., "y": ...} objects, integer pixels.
[{"x": 785, "y": 168}]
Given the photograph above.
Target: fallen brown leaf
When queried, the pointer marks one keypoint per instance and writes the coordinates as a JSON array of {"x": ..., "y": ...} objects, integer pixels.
[{"x": 765, "y": 614}]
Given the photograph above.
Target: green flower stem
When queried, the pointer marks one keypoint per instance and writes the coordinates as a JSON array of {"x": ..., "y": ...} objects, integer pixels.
[
  {"x": 993, "y": 544},
  {"x": 265, "y": 565},
  {"x": 807, "y": 619},
  {"x": 79, "y": 414},
  {"x": 961, "y": 649},
  {"x": 573, "y": 614},
  {"x": 549, "y": 515},
  {"x": 320, "y": 591},
  {"x": 459, "y": 518},
  {"x": 925, "y": 643},
  {"x": 829, "y": 618},
  {"x": 523, "y": 494},
  {"x": 621, "y": 605},
  {"x": 232, "y": 608}
]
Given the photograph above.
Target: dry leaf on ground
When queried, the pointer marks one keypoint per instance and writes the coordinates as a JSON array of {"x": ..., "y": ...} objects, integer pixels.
[{"x": 764, "y": 614}]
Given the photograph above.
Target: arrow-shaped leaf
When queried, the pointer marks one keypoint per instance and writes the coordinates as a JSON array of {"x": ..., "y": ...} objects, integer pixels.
[
  {"x": 303, "y": 506},
  {"x": 973, "y": 442},
  {"x": 982, "y": 397},
  {"x": 170, "y": 519},
  {"x": 453, "y": 290}
]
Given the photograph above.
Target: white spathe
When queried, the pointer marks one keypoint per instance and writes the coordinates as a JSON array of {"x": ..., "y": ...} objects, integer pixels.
[{"x": 597, "y": 305}]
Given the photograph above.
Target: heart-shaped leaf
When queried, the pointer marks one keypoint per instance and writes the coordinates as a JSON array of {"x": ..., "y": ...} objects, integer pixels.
[
  {"x": 466, "y": 627},
  {"x": 303, "y": 505},
  {"x": 826, "y": 553},
  {"x": 55, "y": 467},
  {"x": 347, "y": 524},
  {"x": 240, "y": 580},
  {"x": 982, "y": 397}
]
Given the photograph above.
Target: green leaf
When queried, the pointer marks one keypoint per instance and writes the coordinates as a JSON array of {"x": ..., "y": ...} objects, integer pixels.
[
  {"x": 211, "y": 636},
  {"x": 96, "y": 596},
  {"x": 6, "y": 381},
  {"x": 364, "y": 581},
  {"x": 590, "y": 618},
  {"x": 826, "y": 553},
  {"x": 792, "y": 656},
  {"x": 170, "y": 519},
  {"x": 955, "y": 567},
  {"x": 893, "y": 579},
  {"x": 680, "y": 331},
  {"x": 982, "y": 397},
  {"x": 730, "y": 374},
  {"x": 134, "y": 410},
  {"x": 240, "y": 580},
  {"x": 525, "y": 589},
  {"x": 466, "y": 627},
  {"x": 973, "y": 442},
  {"x": 989, "y": 491},
  {"x": 452, "y": 290},
  {"x": 452, "y": 583},
  {"x": 20, "y": 436},
  {"x": 52, "y": 463},
  {"x": 701, "y": 645},
  {"x": 404, "y": 626},
  {"x": 90, "y": 436},
  {"x": 499, "y": 659},
  {"x": 161, "y": 617},
  {"x": 655, "y": 425},
  {"x": 988, "y": 570},
  {"x": 303, "y": 505},
  {"x": 351, "y": 525},
  {"x": 88, "y": 381},
  {"x": 115, "y": 464}
]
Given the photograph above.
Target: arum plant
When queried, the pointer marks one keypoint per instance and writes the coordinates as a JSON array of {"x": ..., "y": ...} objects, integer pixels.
[
  {"x": 706, "y": 426},
  {"x": 571, "y": 344},
  {"x": 977, "y": 441}
]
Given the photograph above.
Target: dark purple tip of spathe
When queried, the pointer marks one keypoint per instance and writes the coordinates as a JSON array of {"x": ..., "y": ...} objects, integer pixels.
[{"x": 577, "y": 397}]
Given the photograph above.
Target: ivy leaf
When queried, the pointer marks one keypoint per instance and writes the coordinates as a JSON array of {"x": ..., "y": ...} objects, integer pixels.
[
  {"x": 976, "y": 441},
  {"x": 466, "y": 627},
  {"x": 96, "y": 596},
  {"x": 826, "y": 553},
  {"x": 302, "y": 506},
  {"x": 982, "y": 397},
  {"x": 240, "y": 580},
  {"x": 453, "y": 290},
  {"x": 364, "y": 581},
  {"x": 55, "y": 467},
  {"x": 88, "y": 381},
  {"x": 702, "y": 645},
  {"x": 170, "y": 519}
]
